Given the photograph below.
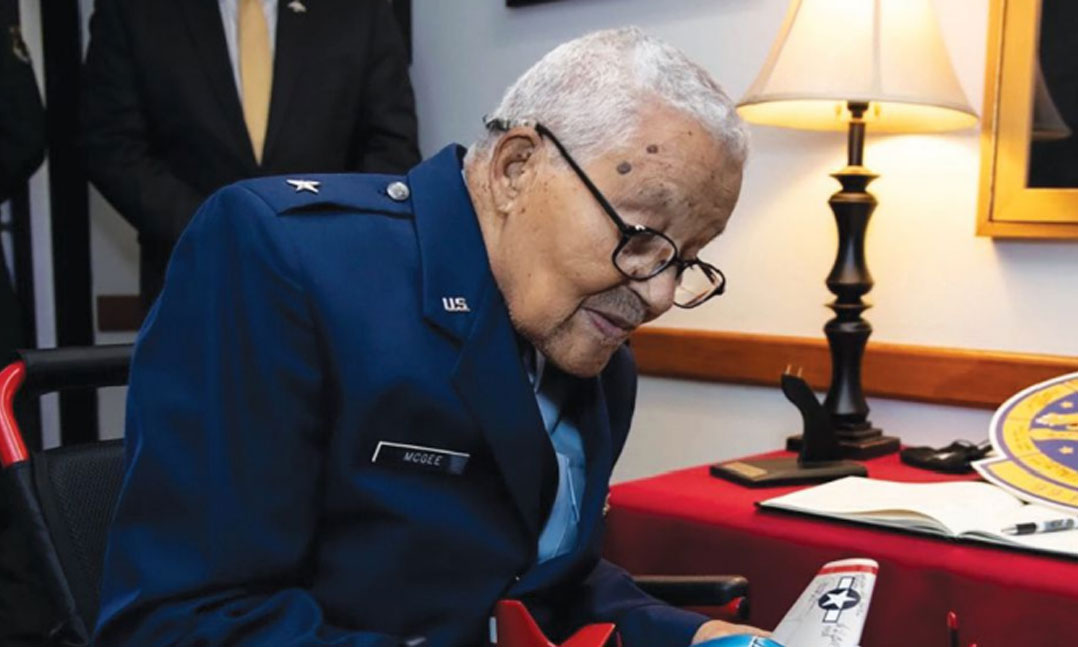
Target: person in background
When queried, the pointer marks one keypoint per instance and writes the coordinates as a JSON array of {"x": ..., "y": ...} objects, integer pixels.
[
  {"x": 182, "y": 98},
  {"x": 22, "y": 149},
  {"x": 24, "y": 609}
]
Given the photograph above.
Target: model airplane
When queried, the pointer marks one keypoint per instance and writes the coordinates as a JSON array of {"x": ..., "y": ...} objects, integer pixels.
[{"x": 830, "y": 613}]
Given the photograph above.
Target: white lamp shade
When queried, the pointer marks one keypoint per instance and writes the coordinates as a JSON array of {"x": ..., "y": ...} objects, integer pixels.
[{"x": 888, "y": 53}]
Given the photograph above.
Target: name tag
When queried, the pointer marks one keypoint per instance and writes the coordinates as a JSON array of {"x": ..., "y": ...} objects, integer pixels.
[{"x": 430, "y": 459}]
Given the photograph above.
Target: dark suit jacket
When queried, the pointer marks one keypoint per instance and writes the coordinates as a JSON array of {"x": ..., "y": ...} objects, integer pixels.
[
  {"x": 297, "y": 334},
  {"x": 22, "y": 147},
  {"x": 22, "y": 118},
  {"x": 164, "y": 126},
  {"x": 24, "y": 609}
]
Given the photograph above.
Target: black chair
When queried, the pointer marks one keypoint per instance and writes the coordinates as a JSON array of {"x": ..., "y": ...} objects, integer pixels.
[{"x": 65, "y": 497}]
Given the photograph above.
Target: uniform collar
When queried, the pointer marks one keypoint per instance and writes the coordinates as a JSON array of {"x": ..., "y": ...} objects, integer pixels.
[
  {"x": 460, "y": 297},
  {"x": 456, "y": 272}
]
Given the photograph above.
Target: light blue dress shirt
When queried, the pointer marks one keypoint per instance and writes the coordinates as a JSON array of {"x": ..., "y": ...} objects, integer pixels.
[
  {"x": 229, "y": 18},
  {"x": 559, "y": 535}
]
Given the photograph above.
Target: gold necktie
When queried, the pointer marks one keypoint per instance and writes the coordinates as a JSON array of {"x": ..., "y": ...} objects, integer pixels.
[{"x": 256, "y": 71}]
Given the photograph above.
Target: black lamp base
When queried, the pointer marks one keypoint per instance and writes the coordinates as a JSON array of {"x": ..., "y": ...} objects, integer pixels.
[{"x": 860, "y": 447}]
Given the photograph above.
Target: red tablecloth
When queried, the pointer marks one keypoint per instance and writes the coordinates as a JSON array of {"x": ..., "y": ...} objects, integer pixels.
[{"x": 690, "y": 522}]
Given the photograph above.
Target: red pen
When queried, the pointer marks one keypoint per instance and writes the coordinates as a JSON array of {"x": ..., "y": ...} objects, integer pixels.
[{"x": 952, "y": 627}]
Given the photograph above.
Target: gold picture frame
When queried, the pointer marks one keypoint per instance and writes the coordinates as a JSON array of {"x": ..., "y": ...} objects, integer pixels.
[{"x": 1007, "y": 207}]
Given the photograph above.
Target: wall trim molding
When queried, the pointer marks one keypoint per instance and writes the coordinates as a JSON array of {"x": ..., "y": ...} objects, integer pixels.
[
  {"x": 953, "y": 376},
  {"x": 968, "y": 378}
]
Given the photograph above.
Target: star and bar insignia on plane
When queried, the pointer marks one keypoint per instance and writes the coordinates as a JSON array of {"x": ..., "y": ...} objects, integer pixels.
[{"x": 837, "y": 600}]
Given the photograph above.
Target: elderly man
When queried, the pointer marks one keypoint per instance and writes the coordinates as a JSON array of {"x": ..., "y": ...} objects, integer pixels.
[{"x": 366, "y": 408}]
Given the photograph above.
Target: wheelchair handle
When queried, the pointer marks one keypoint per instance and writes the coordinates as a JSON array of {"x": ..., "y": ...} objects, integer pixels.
[{"x": 57, "y": 369}]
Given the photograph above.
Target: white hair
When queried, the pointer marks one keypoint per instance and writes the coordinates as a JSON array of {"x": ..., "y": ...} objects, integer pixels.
[{"x": 590, "y": 92}]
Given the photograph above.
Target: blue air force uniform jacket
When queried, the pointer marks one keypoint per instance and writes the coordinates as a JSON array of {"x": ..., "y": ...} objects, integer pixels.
[{"x": 307, "y": 336}]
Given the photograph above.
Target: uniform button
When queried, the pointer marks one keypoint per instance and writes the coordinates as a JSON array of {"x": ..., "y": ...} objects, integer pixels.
[
  {"x": 398, "y": 191},
  {"x": 516, "y": 578}
]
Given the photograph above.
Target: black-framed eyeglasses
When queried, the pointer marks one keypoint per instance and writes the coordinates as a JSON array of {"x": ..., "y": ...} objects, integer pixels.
[{"x": 644, "y": 253}]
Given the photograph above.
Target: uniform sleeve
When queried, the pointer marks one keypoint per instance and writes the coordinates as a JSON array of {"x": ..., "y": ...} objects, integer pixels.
[
  {"x": 213, "y": 533},
  {"x": 116, "y": 137},
  {"x": 387, "y": 134},
  {"x": 608, "y": 594}
]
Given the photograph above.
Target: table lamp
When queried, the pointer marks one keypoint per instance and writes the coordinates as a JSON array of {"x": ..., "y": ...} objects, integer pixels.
[{"x": 851, "y": 65}]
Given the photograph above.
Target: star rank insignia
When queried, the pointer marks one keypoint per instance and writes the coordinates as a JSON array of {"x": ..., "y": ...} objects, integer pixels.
[{"x": 305, "y": 185}]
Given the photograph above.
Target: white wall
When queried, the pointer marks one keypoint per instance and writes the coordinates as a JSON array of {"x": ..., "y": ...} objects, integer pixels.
[
  {"x": 937, "y": 284},
  {"x": 114, "y": 263}
]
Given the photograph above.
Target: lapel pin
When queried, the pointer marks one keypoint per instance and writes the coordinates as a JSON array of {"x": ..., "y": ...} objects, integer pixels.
[
  {"x": 297, "y": 7},
  {"x": 305, "y": 185},
  {"x": 455, "y": 304}
]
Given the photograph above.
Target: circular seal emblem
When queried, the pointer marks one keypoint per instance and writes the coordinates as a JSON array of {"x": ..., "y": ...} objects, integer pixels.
[{"x": 1035, "y": 435}]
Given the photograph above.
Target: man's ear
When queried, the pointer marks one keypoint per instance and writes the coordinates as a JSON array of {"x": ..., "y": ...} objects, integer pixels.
[{"x": 512, "y": 165}]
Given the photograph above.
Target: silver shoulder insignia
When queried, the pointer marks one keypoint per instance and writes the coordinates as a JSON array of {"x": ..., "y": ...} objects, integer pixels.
[{"x": 398, "y": 191}]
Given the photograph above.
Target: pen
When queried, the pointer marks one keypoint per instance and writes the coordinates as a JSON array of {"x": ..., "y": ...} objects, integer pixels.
[
  {"x": 1054, "y": 525},
  {"x": 952, "y": 628}
]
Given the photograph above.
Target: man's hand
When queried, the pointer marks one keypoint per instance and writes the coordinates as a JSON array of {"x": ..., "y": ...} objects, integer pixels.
[{"x": 717, "y": 629}]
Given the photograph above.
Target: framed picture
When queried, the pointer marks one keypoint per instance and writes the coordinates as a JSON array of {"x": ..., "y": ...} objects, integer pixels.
[{"x": 1029, "y": 143}]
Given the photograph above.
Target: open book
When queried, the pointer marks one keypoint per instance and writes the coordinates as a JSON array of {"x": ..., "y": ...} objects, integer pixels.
[{"x": 961, "y": 510}]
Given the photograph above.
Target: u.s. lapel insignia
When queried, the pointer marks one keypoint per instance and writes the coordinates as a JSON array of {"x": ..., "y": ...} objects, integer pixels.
[
  {"x": 305, "y": 185},
  {"x": 455, "y": 304},
  {"x": 297, "y": 7}
]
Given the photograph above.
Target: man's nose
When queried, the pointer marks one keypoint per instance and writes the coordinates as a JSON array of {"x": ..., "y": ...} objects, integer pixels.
[{"x": 657, "y": 292}]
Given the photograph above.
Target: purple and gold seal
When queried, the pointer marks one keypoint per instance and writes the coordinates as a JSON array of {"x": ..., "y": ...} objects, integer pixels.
[{"x": 1035, "y": 435}]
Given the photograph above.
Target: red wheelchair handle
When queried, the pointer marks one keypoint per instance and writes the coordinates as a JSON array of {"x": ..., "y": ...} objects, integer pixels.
[{"x": 12, "y": 448}]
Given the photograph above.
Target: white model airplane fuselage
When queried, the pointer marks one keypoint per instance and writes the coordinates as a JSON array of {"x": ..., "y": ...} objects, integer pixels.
[{"x": 831, "y": 611}]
